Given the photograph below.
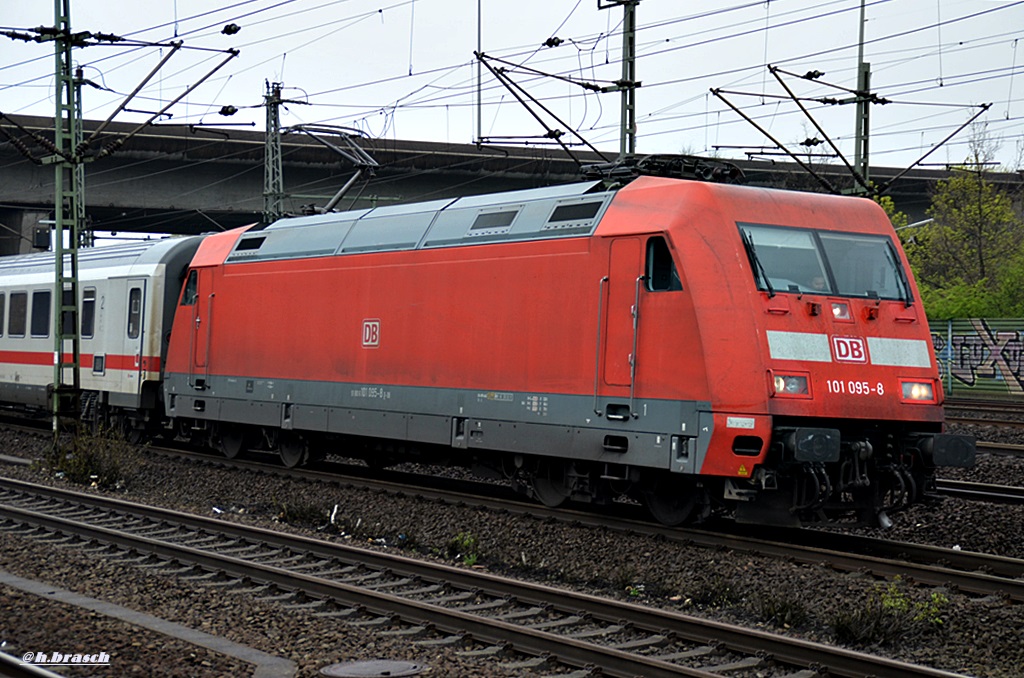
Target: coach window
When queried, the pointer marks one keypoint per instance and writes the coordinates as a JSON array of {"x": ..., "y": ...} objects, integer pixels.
[
  {"x": 41, "y": 313},
  {"x": 662, "y": 275},
  {"x": 191, "y": 293},
  {"x": 18, "y": 314},
  {"x": 3, "y": 298},
  {"x": 134, "y": 312},
  {"x": 88, "y": 313}
]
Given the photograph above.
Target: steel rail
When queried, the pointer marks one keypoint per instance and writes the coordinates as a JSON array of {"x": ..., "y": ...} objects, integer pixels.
[
  {"x": 1000, "y": 494},
  {"x": 985, "y": 405},
  {"x": 995, "y": 423},
  {"x": 971, "y": 572},
  {"x": 571, "y": 651},
  {"x": 1005, "y": 449}
]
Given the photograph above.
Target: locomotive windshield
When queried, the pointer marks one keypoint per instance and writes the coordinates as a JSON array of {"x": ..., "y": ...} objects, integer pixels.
[{"x": 824, "y": 262}]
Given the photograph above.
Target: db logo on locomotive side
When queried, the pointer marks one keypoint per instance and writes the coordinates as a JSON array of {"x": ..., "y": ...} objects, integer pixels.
[
  {"x": 849, "y": 349},
  {"x": 371, "y": 333}
]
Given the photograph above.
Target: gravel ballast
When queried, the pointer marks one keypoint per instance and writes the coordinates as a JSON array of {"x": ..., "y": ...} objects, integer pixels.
[{"x": 965, "y": 634}]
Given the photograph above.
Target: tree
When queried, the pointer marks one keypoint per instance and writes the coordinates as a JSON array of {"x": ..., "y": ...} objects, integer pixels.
[
  {"x": 899, "y": 219},
  {"x": 968, "y": 260},
  {"x": 974, "y": 234}
]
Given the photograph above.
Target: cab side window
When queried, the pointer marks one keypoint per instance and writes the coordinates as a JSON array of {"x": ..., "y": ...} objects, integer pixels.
[
  {"x": 662, "y": 275},
  {"x": 191, "y": 293}
]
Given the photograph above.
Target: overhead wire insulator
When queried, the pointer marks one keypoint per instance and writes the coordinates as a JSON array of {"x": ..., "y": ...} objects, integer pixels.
[
  {"x": 230, "y": 29},
  {"x": 228, "y": 110},
  {"x": 553, "y": 42},
  {"x": 45, "y": 143},
  {"x": 21, "y": 147},
  {"x": 15, "y": 35},
  {"x": 111, "y": 148}
]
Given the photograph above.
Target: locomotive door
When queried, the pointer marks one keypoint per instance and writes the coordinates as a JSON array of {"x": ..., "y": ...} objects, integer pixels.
[
  {"x": 202, "y": 326},
  {"x": 624, "y": 267},
  {"x": 135, "y": 334}
]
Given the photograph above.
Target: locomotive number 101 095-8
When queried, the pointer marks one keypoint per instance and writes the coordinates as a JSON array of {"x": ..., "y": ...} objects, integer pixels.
[{"x": 852, "y": 387}]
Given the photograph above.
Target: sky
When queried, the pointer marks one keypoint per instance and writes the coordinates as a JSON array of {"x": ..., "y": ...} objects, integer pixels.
[{"x": 405, "y": 69}]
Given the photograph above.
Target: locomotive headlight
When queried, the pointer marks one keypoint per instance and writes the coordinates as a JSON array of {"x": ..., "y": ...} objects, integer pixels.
[
  {"x": 791, "y": 385},
  {"x": 918, "y": 391},
  {"x": 841, "y": 311}
]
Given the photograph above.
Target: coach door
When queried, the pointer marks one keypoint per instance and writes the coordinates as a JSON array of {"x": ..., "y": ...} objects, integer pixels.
[
  {"x": 200, "y": 285},
  {"x": 135, "y": 333},
  {"x": 623, "y": 288}
]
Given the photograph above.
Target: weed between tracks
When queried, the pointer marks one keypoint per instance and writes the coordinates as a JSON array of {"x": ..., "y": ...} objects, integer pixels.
[
  {"x": 889, "y": 615},
  {"x": 104, "y": 460},
  {"x": 719, "y": 591},
  {"x": 329, "y": 519},
  {"x": 780, "y": 608},
  {"x": 465, "y": 547}
]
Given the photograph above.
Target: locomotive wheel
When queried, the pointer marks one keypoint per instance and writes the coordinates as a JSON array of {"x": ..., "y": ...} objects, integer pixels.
[
  {"x": 672, "y": 502},
  {"x": 293, "y": 450},
  {"x": 549, "y": 484},
  {"x": 233, "y": 440}
]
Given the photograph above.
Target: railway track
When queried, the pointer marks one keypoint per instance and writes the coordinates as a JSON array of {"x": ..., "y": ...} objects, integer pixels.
[
  {"x": 1001, "y": 449},
  {"x": 977, "y": 573},
  {"x": 989, "y": 406},
  {"x": 994, "y": 423},
  {"x": 982, "y": 574},
  {"x": 971, "y": 572},
  {"x": 1000, "y": 494},
  {"x": 426, "y": 602},
  {"x": 1005, "y": 414}
]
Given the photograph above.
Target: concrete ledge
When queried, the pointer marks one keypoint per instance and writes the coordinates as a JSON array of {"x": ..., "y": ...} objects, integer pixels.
[{"x": 267, "y": 666}]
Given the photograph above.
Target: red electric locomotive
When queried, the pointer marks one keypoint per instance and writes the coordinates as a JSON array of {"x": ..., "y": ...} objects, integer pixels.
[{"x": 692, "y": 345}]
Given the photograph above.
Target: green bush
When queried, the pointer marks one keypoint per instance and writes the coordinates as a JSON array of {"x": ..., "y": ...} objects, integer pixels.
[
  {"x": 465, "y": 547},
  {"x": 718, "y": 592},
  {"x": 103, "y": 459},
  {"x": 779, "y": 609},
  {"x": 889, "y": 615}
]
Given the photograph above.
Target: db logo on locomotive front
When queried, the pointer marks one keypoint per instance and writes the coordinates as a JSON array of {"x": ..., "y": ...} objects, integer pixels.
[{"x": 849, "y": 349}]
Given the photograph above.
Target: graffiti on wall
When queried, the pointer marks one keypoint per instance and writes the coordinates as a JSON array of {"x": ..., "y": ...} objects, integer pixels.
[{"x": 980, "y": 354}]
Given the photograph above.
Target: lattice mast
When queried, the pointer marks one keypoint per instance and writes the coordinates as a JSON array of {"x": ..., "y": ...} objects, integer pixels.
[
  {"x": 628, "y": 83},
  {"x": 69, "y": 219},
  {"x": 863, "y": 98},
  {"x": 273, "y": 176}
]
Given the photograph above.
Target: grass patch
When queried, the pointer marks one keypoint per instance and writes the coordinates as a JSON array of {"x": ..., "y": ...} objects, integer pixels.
[
  {"x": 890, "y": 615},
  {"x": 717, "y": 592},
  {"x": 779, "y": 609},
  {"x": 464, "y": 547},
  {"x": 104, "y": 460}
]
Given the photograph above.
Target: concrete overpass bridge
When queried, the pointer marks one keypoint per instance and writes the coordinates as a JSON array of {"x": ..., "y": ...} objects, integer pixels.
[{"x": 181, "y": 179}]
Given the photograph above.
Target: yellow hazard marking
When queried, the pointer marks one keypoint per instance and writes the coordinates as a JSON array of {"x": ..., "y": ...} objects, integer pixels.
[{"x": 743, "y": 471}]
